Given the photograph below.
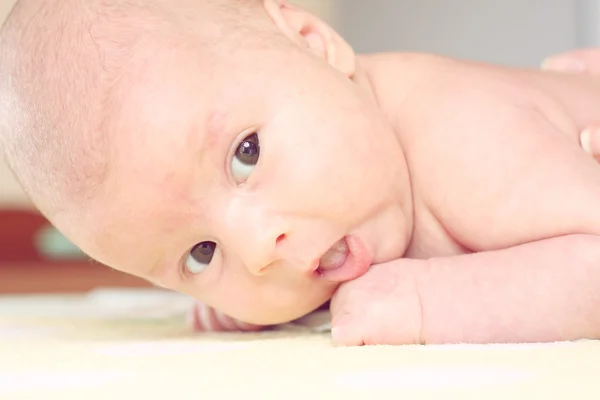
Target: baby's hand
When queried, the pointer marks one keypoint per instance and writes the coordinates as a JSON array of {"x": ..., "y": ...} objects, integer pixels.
[
  {"x": 590, "y": 141},
  {"x": 203, "y": 318},
  {"x": 380, "y": 307}
]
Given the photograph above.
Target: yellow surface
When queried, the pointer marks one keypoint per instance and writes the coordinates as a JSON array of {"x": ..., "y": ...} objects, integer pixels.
[{"x": 109, "y": 357}]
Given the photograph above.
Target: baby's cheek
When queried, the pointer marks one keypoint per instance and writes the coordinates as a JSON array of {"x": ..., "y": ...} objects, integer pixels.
[{"x": 269, "y": 305}]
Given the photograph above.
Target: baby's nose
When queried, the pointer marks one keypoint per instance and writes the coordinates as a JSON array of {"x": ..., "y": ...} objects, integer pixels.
[
  {"x": 261, "y": 237},
  {"x": 264, "y": 252}
]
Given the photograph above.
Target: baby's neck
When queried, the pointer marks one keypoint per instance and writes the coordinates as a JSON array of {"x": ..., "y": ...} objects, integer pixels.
[
  {"x": 390, "y": 78},
  {"x": 387, "y": 80}
]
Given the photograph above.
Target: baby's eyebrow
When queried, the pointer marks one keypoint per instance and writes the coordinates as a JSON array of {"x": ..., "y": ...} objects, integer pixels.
[{"x": 203, "y": 135}]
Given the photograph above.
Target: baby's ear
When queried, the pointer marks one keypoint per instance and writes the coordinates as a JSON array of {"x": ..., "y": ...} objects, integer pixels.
[{"x": 309, "y": 32}]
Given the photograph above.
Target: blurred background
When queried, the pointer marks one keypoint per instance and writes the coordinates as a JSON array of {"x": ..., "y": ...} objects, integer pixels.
[{"x": 508, "y": 32}]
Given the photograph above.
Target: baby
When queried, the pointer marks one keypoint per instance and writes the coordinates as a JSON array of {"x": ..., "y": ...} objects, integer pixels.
[{"x": 241, "y": 153}]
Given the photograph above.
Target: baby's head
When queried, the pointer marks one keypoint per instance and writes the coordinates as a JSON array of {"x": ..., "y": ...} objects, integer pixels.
[{"x": 218, "y": 148}]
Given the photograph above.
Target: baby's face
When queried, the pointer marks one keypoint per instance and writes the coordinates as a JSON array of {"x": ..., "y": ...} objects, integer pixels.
[{"x": 230, "y": 181}]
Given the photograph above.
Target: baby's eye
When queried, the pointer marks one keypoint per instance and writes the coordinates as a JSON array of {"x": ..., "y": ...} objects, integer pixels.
[
  {"x": 200, "y": 256},
  {"x": 245, "y": 158}
]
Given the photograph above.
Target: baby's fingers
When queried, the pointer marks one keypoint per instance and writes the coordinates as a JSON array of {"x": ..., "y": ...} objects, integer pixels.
[
  {"x": 590, "y": 141},
  {"x": 203, "y": 318},
  {"x": 382, "y": 307}
]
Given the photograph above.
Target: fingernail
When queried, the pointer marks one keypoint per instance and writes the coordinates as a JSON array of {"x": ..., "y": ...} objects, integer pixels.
[
  {"x": 586, "y": 140},
  {"x": 563, "y": 64},
  {"x": 337, "y": 336},
  {"x": 335, "y": 333}
]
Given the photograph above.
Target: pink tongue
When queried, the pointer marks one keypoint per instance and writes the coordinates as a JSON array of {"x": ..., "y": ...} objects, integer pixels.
[{"x": 335, "y": 257}]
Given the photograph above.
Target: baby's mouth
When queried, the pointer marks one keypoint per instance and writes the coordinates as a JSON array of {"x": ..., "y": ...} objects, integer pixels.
[
  {"x": 335, "y": 256},
  {"x": 345, "y": 260}
]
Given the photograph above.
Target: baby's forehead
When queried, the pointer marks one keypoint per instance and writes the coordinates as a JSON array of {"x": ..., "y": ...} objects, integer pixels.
[{"x": 173, "y": 90}]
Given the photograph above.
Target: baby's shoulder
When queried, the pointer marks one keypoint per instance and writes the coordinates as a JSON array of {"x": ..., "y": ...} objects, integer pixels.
[
  {"x": 474, "y": 139},
  {"x": 459, "y": 88},
  {"x": 482, "y": 145},
  {"x": 464, "y": 101}
]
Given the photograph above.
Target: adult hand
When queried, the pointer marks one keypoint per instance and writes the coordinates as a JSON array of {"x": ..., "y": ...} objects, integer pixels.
[
  {"x": 590, "y": 141},
  {"x": 578, "y": 61},
  {"x": 583, "y": 61}
]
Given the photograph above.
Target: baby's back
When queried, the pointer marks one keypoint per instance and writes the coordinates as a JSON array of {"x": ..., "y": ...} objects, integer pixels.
[{"x": 493, "y": 153}]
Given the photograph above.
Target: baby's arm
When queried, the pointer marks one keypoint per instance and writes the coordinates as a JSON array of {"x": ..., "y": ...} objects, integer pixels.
[
  {"x": 537, "y": 292},
  {"x": 543, "y": 291},
  {"x": 532, "y": 222}
]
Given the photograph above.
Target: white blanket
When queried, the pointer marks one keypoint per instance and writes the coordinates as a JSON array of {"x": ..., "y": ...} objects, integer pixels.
[{"x": 115, "y": 344}]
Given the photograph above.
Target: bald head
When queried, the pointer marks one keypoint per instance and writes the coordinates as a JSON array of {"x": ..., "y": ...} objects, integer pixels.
[
  {"x": 48, "y": 72},
  {"x": 61, "y": 62}
]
